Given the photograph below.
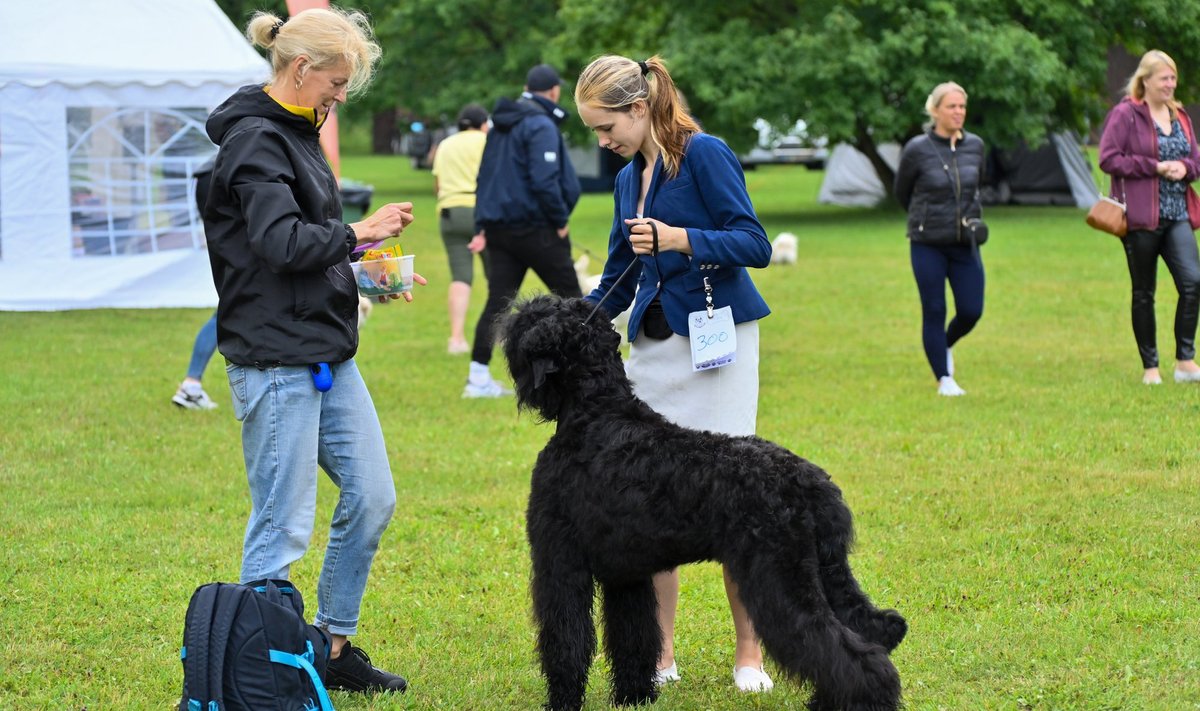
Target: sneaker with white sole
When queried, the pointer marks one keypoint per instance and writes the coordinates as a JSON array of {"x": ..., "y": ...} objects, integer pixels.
[
  {"x": 1185, "y": 376},
  {"x": 949, "y": 388},
  {"x": 190, "y": 396},
  {"x": 352, "y": 670},
  {"x": 489, "y": 389},
  {"x": 752, "y": 679},
  {"x": 664, "y": 676}
]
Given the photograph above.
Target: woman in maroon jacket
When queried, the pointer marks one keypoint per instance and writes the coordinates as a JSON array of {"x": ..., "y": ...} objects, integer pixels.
[{"x": 1149, "y": 149}]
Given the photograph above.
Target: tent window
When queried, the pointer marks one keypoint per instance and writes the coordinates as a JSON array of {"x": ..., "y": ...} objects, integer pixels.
[{"x": 131, "y": 179}]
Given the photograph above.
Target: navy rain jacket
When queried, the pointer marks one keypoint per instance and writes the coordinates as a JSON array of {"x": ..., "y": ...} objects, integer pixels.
[{"x": 526, "y": 178}]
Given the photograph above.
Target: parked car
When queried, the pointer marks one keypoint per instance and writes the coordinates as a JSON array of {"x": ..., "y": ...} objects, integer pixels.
[{"x": 796, "y": 146}]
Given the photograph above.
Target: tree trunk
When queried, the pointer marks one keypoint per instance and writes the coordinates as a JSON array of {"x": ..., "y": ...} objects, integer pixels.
[
  {"x": 865, "y": 143},
  {"x": 383, "y": 132}
]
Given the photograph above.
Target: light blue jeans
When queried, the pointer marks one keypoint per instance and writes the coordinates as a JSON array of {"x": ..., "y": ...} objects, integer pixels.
[
  {"x": 288, "y": 429},
  {"x": 202, "y": 349}
]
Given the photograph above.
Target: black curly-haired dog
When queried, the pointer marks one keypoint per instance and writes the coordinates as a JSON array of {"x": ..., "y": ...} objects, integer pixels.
[{"x": 619, "y": 494}]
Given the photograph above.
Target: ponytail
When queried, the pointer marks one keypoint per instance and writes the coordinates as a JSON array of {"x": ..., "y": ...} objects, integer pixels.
[{"x": 670, "y": 124}]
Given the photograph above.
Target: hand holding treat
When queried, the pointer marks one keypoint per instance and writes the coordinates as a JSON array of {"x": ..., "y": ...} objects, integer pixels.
[{"x": 388, "y": 221}]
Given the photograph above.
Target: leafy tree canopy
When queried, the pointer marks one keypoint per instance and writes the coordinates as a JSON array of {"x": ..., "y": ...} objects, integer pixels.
[{"x": 855, "y": 70}]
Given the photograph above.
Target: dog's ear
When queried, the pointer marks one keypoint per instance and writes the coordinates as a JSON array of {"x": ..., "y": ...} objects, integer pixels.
[{"x": 541, "y": 368}]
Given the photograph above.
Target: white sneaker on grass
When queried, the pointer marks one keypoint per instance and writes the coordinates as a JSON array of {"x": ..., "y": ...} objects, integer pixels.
[
  {"x": 752, "y": 679},
  {"x": 949, "y": 388},
  {"x": 489, "y": 389},
  {"x": 190, "y": 396},
  {"x": 664, "y": 676}
]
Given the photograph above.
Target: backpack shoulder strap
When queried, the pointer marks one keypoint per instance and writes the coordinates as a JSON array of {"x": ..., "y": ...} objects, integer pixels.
[
  {"x": 195, "y": 652},
  {"x": 209, "y": 620}
]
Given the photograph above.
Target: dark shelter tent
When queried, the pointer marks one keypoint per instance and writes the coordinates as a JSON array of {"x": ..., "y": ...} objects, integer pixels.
[{"x": 1057, "y": 173}]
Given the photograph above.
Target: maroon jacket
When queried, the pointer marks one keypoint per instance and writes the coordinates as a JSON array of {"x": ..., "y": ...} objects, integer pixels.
[{"x": 1129, "y": 153}]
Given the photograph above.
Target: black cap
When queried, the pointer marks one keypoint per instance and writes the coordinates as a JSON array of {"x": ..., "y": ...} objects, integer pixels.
[
  {"x": 472, "y": 116},
  {"x": 542, "y": 78}
]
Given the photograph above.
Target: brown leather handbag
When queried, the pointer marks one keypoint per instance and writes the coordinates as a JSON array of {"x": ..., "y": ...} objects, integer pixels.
[{"x": 1108, "y": 214}]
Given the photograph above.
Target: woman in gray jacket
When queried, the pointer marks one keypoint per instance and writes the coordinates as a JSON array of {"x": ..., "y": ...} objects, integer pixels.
[{"x": 937, "y": 182}]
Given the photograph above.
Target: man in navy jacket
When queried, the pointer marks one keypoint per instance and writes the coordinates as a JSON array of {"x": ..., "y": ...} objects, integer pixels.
[{"x": 526, "y": 190}]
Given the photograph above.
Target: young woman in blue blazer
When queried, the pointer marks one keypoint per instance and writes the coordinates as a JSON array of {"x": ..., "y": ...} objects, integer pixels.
[{"x": 682, "y": 212}]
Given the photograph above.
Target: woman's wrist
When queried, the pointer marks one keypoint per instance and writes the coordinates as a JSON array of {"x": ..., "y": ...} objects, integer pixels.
[{"x": 361, "y": 231}]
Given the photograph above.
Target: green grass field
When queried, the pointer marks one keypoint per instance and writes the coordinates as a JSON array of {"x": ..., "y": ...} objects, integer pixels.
[{"x": 1039, "y": 534}]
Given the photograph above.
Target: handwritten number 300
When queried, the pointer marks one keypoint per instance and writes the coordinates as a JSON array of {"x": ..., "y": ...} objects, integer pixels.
[{"x": 703, "y": 342}]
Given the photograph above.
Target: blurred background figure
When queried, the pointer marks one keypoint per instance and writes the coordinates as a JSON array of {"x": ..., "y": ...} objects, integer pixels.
[
  {"x": 937, "y": 182},
  {"x": 455, "y": 169},
  {"x": 1149, "y": 148},
  {"x": 527, "y": 190}
]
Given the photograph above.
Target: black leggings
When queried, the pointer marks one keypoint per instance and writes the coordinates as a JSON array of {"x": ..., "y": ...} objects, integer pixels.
[
  {"x": 1176, "y": 242},
  {"x": 510, "y": 254},
  {"x": 932, "y": 266}
]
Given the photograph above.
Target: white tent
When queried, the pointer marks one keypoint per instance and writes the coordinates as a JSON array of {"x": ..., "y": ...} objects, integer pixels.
[
  {"x": 851, "y": 180},
  {"x": 102, "y": 110}
]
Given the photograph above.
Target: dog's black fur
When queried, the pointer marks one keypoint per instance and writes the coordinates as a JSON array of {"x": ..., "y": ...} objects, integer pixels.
[{"x": 619, "y": 493}]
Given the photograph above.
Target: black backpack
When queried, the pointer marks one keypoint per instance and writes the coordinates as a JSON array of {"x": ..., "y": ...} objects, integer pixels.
[{"x": 247, "y": 648}]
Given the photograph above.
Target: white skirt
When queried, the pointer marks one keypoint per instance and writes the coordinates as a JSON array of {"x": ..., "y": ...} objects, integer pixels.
[{"x": 718, "y": 400}]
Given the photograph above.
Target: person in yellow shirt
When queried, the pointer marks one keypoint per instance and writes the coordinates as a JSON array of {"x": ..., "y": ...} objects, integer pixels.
[{"x": 455, "y": 168}]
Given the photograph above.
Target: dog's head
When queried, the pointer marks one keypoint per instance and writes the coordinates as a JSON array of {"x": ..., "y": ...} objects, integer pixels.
[{"x": 555, "y": 358}]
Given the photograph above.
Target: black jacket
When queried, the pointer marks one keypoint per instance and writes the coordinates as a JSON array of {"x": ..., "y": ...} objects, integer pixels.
[
  {"x": 526, "y": 178},
  {"x": 276, "y": 241},
  {"x": 940, "y": 187}
]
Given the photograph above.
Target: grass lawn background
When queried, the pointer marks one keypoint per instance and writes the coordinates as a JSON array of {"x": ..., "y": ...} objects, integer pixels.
[{"x": 1039, "y": 534}]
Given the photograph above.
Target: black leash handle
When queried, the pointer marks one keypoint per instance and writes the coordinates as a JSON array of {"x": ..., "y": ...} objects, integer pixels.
[{"x": 636, "y": 259}]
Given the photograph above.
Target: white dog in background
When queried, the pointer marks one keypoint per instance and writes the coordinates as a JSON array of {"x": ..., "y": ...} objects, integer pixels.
[
  {"x": 588, "y": 282},
  {"x": 783, "y": 249},
  {"x": 364, "y": 310}
]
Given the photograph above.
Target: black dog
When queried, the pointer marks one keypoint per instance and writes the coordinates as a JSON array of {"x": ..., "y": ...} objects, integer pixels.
[{"x": 619, "y": 494}]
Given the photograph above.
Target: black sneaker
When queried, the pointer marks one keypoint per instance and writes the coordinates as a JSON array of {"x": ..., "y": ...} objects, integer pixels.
[{"x": 353, "y": 671}]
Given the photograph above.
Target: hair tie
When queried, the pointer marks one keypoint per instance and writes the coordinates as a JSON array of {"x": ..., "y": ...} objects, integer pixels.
[
  {"x": 275, "y": 28},
  {"x": 644, "y": 67}
]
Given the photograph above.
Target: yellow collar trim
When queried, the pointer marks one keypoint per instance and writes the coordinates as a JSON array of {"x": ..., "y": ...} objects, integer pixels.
[{"x": 304, "y": 111}]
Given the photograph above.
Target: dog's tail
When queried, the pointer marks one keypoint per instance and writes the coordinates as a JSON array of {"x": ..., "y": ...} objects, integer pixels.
[{"x": 800, "y": 631}]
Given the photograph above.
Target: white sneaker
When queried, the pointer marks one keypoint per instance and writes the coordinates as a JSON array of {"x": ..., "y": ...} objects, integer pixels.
[
  {"x": 663, "y": 676},
  {"x": 752, "y": 679},
  {"x": 949, "y": 388},
  {"x": 1155, "y": 379},
  {"x": 1182, "y": 376},
  {"x": 190, "y": 396},
  {"x": 489, "y": 389}
]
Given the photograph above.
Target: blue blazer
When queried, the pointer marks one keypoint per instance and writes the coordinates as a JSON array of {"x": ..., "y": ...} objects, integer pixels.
[{"x": 709, "y": 198}]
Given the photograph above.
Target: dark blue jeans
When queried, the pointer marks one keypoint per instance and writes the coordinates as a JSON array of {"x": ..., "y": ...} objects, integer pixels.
[
  {"x": 932, "y": 265},
  {"x": 1176, "y": 242}
]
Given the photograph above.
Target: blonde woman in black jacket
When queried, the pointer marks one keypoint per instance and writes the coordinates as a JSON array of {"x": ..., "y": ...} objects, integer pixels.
[
  {"x": 937, "y": 182},
  {"x": 287, "y": 302}
]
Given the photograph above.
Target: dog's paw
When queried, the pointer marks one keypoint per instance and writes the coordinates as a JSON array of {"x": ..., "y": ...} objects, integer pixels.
[{"x": 887, "y": 628}]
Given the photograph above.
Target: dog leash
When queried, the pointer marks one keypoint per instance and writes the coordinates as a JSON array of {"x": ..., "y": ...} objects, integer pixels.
[{"x": 636, "y": 260}]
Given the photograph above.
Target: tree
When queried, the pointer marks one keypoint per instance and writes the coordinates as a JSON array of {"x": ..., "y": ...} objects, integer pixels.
[
  {"x": 859, "y": 71},
  {"x": 442, "y": 54},
  {"x": 239, "y": 12},
  {"x": 855, "y": 70}
]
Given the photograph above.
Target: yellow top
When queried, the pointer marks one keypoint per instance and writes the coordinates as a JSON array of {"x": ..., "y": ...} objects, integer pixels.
[
  {"x": 310, "y": 114},
  {"x": 456, "y": 165}
]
